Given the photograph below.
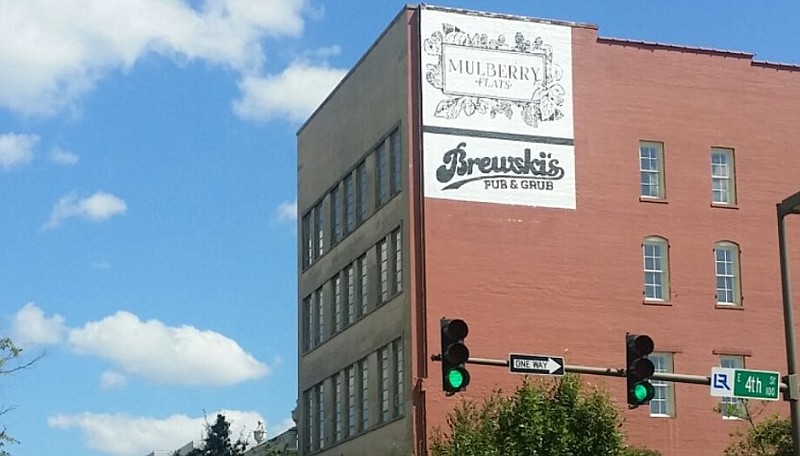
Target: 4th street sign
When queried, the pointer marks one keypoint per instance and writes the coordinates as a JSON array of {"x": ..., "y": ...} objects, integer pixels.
[
  {"x": 535, "y": 364},
  {"x": 745, "y": 383}
]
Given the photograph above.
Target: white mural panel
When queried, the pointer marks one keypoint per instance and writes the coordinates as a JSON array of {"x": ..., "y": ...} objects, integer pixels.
[
  {"x": 490, "y": 170},
  {"x": 496, "y": 74}
]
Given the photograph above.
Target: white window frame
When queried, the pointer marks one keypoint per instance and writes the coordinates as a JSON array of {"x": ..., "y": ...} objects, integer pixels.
[
  {"x": 723, "y": 176},
  {"x": 651, "y": 170},
  {"x": 727, "y": 274},
  {"x": 664, "y": 400},
  {"x": 655, "y": 263}
]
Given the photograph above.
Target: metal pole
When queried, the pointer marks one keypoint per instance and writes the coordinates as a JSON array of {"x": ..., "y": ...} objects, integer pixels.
[{"x": 788, "y": 326}]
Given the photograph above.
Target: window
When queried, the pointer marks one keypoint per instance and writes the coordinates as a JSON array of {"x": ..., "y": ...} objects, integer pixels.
[
  {"x": 308, "y": 419},
  {"x": 723, "y": 184},
  {"x": 320, "y": 316},
  {"x": 397, "y": 243},
  {"x": 383, "y": 380},
  {"x": 308, "y": 240},
  {"x": 663, "y": 403},
  {"x": 351, "y": 293},
  {"x": 731, "y": 407},
  {"x": 336, "y": 215},
  {"x": 349, "y": 204},
  {"x": 320, "y": 408},
  {"x": 651, "y": 167},
  {"x": 396, "y": 159},
  {"x": 726, "y": 262},
  {"x": 383, "y": 270},
  {"x": 363, "y": 284},
  {"x": 337, "y": 407},
  {"x": 397, "y": 354},
  {"x": 363, "y": 394},
  {"x": 382, "y": 190},
  {"x": 351, "y": 400},
  {"x": 319, "y": 228},
  {"x": 361, "y": 183},
  {"x": 338, "y": 318},
  {"x": 656, "y": 269},
  {"x": 307, "y": 325}
]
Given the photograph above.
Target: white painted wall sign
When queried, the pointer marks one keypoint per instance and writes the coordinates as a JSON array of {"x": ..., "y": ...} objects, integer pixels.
[
  {"x": 499, "y": 171},
  {"x": 497, "y": 109},
  {"x": 496, "y": 74}
]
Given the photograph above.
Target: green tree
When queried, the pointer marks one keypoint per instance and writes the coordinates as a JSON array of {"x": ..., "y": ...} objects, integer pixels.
[
  {"x": 559, "y": 417},
  {"x": 218, "y": 440},
  {"x": 771, "y": 436}
]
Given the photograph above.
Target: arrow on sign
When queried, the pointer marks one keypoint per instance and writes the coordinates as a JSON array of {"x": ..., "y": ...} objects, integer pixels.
[{"x": 535, "y": 364}]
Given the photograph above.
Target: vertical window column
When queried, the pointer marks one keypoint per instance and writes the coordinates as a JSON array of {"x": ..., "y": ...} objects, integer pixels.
[
  {"x": 395, "y": 161},
  {"x": 351, "y": 400},
  {"x": 338, "y": 317},
  {"x": 349, "y": 204},
  {"x": 363, "y": 285},
  {"x": 383, "y": 382},
  {"x": 319, "y": 320},
  {"x": 651, "y": 170},
  {"x": 383, "y": 271},
  {"x": 381, "y": 178},
  {"x": 726, "y": 263},
  {"x": 319, "y": 229},
  {"x": 723, "y": 182},
  {"x": 398, "y": 373},
  {"x": 336, "y": 215},
  {"x": 656, "y": 269},
  {"x": 663, "y": 403},
  {"x": 363, "y": 394},
  {"x": 361, "y": 184}
]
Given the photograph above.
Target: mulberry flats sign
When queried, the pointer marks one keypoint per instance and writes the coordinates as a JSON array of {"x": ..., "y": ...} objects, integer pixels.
[{"x": 497, "y": 109}]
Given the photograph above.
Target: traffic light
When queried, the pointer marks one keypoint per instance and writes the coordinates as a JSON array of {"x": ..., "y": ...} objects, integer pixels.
[
  {"x": 455, "y": 354},
  {"x": 638, "y": 369}
]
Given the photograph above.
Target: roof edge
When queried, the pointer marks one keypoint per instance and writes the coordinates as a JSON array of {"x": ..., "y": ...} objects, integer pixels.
[
  {"x": 504, "y": 16},
  {"x": 675, "y": 47}
]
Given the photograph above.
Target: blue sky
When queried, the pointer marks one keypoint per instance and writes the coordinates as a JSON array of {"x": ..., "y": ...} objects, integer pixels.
[{"x": 147, "y": 175}]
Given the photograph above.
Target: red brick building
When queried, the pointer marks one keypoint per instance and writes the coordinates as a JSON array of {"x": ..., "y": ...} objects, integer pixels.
[{"x": 555, "y": 189}]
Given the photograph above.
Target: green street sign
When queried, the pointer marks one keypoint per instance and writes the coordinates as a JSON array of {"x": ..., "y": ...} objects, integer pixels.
[{"x": 753, "y": 384}]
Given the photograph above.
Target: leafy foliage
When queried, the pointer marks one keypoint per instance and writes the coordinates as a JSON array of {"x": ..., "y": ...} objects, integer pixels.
[
  {"x": 769, "y": 437},
  {"x": 218, "y": 440},
  {"x": 552, "y": 418}
]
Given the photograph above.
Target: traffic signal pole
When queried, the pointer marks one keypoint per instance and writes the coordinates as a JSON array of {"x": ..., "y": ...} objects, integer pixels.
[{"x": 607, "y": 372}]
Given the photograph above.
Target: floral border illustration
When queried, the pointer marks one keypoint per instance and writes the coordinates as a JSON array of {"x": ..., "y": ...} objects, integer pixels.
[{"x": 547, "y": 98}]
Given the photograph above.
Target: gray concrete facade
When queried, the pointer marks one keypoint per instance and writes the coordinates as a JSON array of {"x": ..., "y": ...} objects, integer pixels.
[{"x": 369, "y": 103}]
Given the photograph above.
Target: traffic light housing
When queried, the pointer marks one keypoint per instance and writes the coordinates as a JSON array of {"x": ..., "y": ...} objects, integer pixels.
[
  {"x": 455, "y": 354},
  {"x": 639, "y": 369}
]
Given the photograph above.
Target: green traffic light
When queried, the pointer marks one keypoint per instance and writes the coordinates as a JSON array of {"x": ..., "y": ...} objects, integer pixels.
[
  {"x": 455, "y": 378},
  {"x": 643, "y": 392}
]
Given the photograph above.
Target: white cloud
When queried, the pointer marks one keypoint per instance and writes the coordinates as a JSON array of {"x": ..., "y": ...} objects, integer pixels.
[
  {"x": 52, "y": 52},
  {"x": 16, "y": 150},
  {"x": 125, "y": 435},
  {"x": 294, "y": 94},
  {"x": 63, "y": 157},
  {"x": 112, "y": 380},
  {"x": 160, "y": 353},
  {"x": 287, "y": 211},
  {"x": 97, "y": 208},
  {"x": 29, "y": 327}
]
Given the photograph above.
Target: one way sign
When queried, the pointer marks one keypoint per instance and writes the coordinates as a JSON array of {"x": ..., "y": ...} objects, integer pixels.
[{"x": 535, "y": 364}]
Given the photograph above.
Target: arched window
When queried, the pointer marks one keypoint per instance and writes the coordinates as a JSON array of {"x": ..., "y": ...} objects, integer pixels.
[
  {"x": 656, "y": 268},
  {"x": 726, "y": 263}
]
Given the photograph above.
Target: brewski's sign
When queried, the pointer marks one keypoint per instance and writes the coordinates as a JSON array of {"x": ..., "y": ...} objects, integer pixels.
[{"x": 499, "y": 171}]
